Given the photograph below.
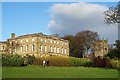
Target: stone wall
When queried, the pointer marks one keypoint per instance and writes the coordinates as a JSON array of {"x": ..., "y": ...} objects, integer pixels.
[{"x": 101, "y": 48}]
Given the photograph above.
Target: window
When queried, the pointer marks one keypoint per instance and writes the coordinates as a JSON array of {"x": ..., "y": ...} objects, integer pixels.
[
  {"x": 10, "y": 42},
  {"x": 57, "y": 42},
  {"x": 33, "y": 47},
  {"x": 45, "y": 40},
  {"x": 54, "y": 41},
  {"x": 26, "y": 40},
  {"x": 41, "y": 39},
  {"x": 41, "y": 48},
  {"x": 105, "y": 48},
  {"x": 58, "y": 50},
  {"x": 3, "y": 47},
  {"x": 99, "y": 44},
  {"x": 21, "y": 41},
  {"x": 15, "y": 41},
  {"x": 10, "y": 50},
  {"x": 51, "y": 49},
  {"x": 45, "y": 48},
  {"x": 32, "y": 39},
  {"x": 27, "y": 48},
  {"x": 62, "y": 50},
  {"x": 54, "y": 49},
  {"x": 65, "y": 51},
  {"x": 21, "y": 49},
  {"x": 51, "y": 41}
]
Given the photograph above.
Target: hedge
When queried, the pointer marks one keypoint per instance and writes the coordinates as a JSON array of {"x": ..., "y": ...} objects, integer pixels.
[
  {"x": 54, "y": 61},
  {"x": 64, "y": 61},
  {"x": 12, "y": 60},
  {"x": 86, "y": 62},
  {"x": 17, "y": 60}
]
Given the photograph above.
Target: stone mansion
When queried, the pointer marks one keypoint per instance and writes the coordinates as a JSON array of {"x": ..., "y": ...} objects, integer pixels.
[{"x": 36, "y": 44}]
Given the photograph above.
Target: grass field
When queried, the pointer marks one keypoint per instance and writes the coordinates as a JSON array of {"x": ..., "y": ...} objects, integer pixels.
[{"x": 58, "y": 72}]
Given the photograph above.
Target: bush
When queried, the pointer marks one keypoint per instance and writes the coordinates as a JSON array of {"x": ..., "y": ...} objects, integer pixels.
[
  {"x": 106, "y": 62},
  {"x": 99, "y": 62},
  {"x": 12, "y": 60},
  {"x": 29, "y": 59},
  {"x": 113, "y": 63},
  {"x": 82, "y": 62}
]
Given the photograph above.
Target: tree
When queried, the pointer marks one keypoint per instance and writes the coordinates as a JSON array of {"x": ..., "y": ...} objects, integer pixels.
[
  {"x": 75, "y": 47},
  {"x": 117, "y": 48},
  {"x": 88, "y": 39},
  {"x": 82, "y": 42},
  {"x": 115, "y": 53},
  {"x": 113, "y": 15}
]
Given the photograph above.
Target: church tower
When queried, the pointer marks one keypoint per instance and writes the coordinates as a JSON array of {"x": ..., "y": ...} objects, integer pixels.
[{"x": 101, "y": 48}]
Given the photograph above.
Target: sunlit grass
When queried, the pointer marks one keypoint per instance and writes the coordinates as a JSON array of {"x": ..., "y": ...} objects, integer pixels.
[{"x": 58, "y": 72}]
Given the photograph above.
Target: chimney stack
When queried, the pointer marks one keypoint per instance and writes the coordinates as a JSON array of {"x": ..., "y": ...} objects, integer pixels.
[{"x": 12, "y": 35}]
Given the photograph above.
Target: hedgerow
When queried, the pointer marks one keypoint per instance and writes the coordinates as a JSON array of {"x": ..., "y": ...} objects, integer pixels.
[
  {"x": 17, "y": 60},
  {"x": 64, "y": 61}
]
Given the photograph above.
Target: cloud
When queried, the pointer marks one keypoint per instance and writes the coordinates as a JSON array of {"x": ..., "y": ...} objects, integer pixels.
[{"x": 75, "y": 17}]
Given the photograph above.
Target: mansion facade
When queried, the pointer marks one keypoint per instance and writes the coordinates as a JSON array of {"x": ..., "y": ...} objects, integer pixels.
[{"x": 36, "y": 44}]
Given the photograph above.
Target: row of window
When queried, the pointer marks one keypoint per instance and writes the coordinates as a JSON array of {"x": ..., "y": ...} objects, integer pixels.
[
  {"x": 52, "y": 49},
  {"x": 51, "y": 41}
]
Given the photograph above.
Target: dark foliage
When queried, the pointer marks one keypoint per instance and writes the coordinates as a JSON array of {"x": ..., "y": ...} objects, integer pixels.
[
  {"x": 99, "y": 62},
  {"x": 12, "y": 60},
  {"x": 29, "y": 60},
  {"x": 81, "y": 42},
  {"x": 115, "y": 53}
]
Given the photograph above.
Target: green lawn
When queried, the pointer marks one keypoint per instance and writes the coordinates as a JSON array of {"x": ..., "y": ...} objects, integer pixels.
[{"x": 57, "y": 72}]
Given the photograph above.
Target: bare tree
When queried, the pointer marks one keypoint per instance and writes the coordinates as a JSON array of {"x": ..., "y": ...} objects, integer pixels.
[
  {"x": 113, "y": 15},
  {"x": 88, "y": 39},
  {"x": 82, "y": 42}
]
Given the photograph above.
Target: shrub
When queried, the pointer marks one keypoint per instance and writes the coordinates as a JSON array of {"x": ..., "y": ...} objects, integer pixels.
[
  {"x": 82, "y": 62},
  {"x": 12, "y": 60},
  {"x": 29, "y": 59},
  {"x": 112, "y": 63},
  {"x": 99, "y": 62}
]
